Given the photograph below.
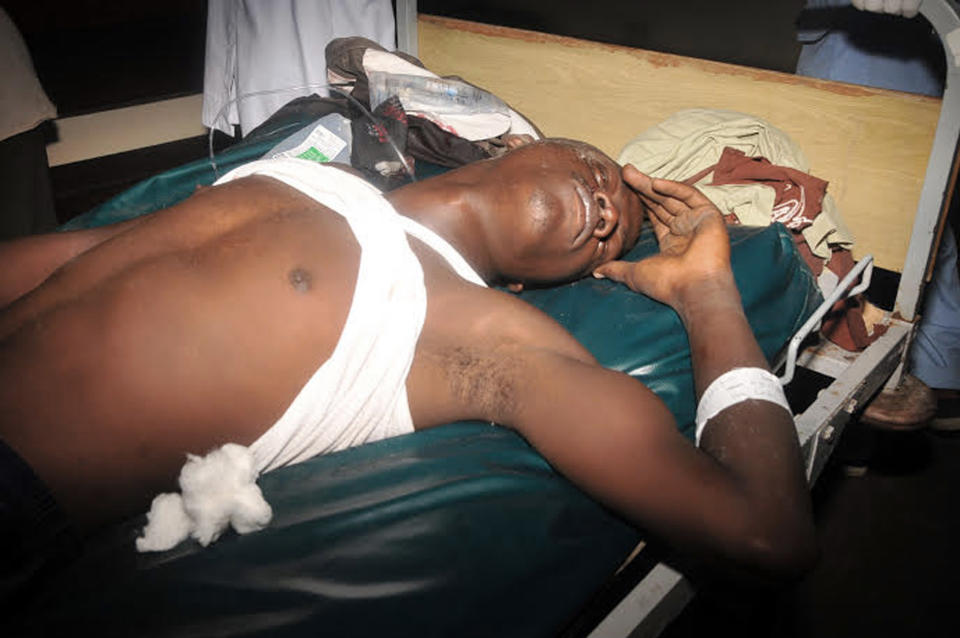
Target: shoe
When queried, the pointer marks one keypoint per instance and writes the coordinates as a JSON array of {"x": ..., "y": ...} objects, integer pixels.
[
  {"x": 947, "y": 418},
  {"x": 907, "y": 407}
]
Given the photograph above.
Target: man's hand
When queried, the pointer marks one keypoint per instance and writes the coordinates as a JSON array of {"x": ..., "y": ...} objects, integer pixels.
[
  {"x": 694, "y": 246},
  {"x": 905, "y": 8}
]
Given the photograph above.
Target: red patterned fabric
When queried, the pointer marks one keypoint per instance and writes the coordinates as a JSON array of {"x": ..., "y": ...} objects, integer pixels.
[{"x": 799, "y": 195}]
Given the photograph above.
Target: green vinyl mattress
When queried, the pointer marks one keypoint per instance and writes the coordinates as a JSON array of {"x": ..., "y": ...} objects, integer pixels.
[{"x": 463, "y": 530}]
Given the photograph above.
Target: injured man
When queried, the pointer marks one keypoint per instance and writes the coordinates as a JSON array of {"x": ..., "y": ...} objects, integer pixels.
[{"x": 292, "y": 310}]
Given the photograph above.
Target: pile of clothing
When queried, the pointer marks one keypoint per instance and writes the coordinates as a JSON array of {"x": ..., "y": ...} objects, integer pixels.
[
  {"x": 387, "y": 111},
  {"x": 757, "y": 175}
]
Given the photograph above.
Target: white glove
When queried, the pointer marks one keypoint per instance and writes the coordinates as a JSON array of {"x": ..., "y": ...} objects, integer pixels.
[{"x": 905, "y": 8}]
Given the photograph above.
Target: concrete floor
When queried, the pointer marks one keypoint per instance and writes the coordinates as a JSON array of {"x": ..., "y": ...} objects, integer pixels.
[{"x": 890, "y": 563}]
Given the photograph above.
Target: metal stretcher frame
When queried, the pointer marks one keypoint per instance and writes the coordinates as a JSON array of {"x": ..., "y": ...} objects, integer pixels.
[{"x": 660, "y": 596}]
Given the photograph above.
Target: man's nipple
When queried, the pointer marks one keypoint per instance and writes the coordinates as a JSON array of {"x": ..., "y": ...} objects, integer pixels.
[{"x": 300, "y": 279}]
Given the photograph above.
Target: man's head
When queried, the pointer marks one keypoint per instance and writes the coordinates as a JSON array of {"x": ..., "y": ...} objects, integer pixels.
[{"x": 562, "y": 209}]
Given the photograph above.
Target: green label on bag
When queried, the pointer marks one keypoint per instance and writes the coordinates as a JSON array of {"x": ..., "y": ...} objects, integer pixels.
[{"x": 313, "y": 155}]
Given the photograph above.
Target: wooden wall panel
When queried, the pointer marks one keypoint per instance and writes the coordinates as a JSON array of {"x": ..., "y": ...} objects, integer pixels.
[{"x": 872, "y": 145}]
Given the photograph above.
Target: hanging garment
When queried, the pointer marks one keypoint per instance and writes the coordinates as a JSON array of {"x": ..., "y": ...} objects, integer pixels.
[{"x": 262, "y": 46}]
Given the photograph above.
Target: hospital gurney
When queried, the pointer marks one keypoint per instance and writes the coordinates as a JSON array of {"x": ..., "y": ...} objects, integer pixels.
[{"x": 587, "y": 542}]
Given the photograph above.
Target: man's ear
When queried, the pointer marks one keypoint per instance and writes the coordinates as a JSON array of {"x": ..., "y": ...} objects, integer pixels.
[
  {"x": 516, "y": 287},
  {"x": 512, "y": 140},
  {"x": 609, "y": 216}
]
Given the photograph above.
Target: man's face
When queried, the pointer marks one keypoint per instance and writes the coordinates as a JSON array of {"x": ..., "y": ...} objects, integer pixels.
[{"x": 571, "y": 212}]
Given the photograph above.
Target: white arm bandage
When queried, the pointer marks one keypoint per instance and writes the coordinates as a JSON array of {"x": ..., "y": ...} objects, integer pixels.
[{"x": 735, "y": 386}]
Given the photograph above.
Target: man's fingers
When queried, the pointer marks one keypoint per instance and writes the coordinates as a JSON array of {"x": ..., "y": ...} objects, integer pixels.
[
  {"x": 657, "y": 211},
  {"x": 613, "y": 270},
  {"x": 678, "y": 207},
  {"x": 659, "y": 227},
  {"x": 675, "y": 197},
  {"x": 664, "y": 206},
  {"x": 640, "y": 276},
  {"x": 910, "y": 8},
  {"x": 676, "y": 216},
  {"x": 632, "y": 176},
  {"x": 906, "y": 8},
  {"x": 641, "y": 183},
  {"x": 685, "y": 193}
]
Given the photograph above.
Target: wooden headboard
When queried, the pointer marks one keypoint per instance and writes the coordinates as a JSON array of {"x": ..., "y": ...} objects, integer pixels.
[{"x": 871, "y": 144}]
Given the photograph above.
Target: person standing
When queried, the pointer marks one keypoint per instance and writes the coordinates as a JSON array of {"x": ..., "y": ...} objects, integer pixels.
[{"x": 27, "y": 204}]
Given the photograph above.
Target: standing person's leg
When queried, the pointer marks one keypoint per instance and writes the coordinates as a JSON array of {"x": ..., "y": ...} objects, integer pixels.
[
  {"x": 26, "y": 205},
  {"x": 935, "y": 357}
]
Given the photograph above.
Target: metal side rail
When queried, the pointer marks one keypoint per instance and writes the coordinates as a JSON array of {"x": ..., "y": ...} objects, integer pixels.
[
  {"x": 649, "y": 607},
  {"x": 820, "y": 425},
  {"x": 845, "y": 289}
]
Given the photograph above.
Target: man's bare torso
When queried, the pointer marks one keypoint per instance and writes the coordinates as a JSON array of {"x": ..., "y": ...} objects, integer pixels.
[{"x": 199, "y": 326}]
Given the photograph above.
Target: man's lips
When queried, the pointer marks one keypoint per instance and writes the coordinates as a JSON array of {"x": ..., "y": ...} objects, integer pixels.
[{"x": 589, "y": 215}]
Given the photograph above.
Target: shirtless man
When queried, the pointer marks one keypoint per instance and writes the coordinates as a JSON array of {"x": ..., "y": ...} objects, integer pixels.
[{"x": 124, "y": 347}]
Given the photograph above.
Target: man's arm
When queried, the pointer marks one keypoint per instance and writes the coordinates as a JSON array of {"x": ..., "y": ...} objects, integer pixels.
[
  {"x": 27, "y": 262},
  {"x": 742, "y": 497}
]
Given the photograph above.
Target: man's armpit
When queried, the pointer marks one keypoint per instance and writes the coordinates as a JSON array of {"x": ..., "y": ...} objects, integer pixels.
[{"x": 484, "y": 379}]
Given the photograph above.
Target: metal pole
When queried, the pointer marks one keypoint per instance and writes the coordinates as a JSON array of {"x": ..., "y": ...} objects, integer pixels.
[{"x": 406, "y": 20}]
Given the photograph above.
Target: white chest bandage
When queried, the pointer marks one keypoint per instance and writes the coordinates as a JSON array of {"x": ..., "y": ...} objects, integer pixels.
[
  {"x": 357, "y": 395},
  {"x": 735, "y": 386}
]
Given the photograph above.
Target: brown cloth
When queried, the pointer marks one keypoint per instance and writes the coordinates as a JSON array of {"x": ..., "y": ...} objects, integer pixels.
[
  {"x": 799, "y": 195},
  {"x": 798, "y": 201}
]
